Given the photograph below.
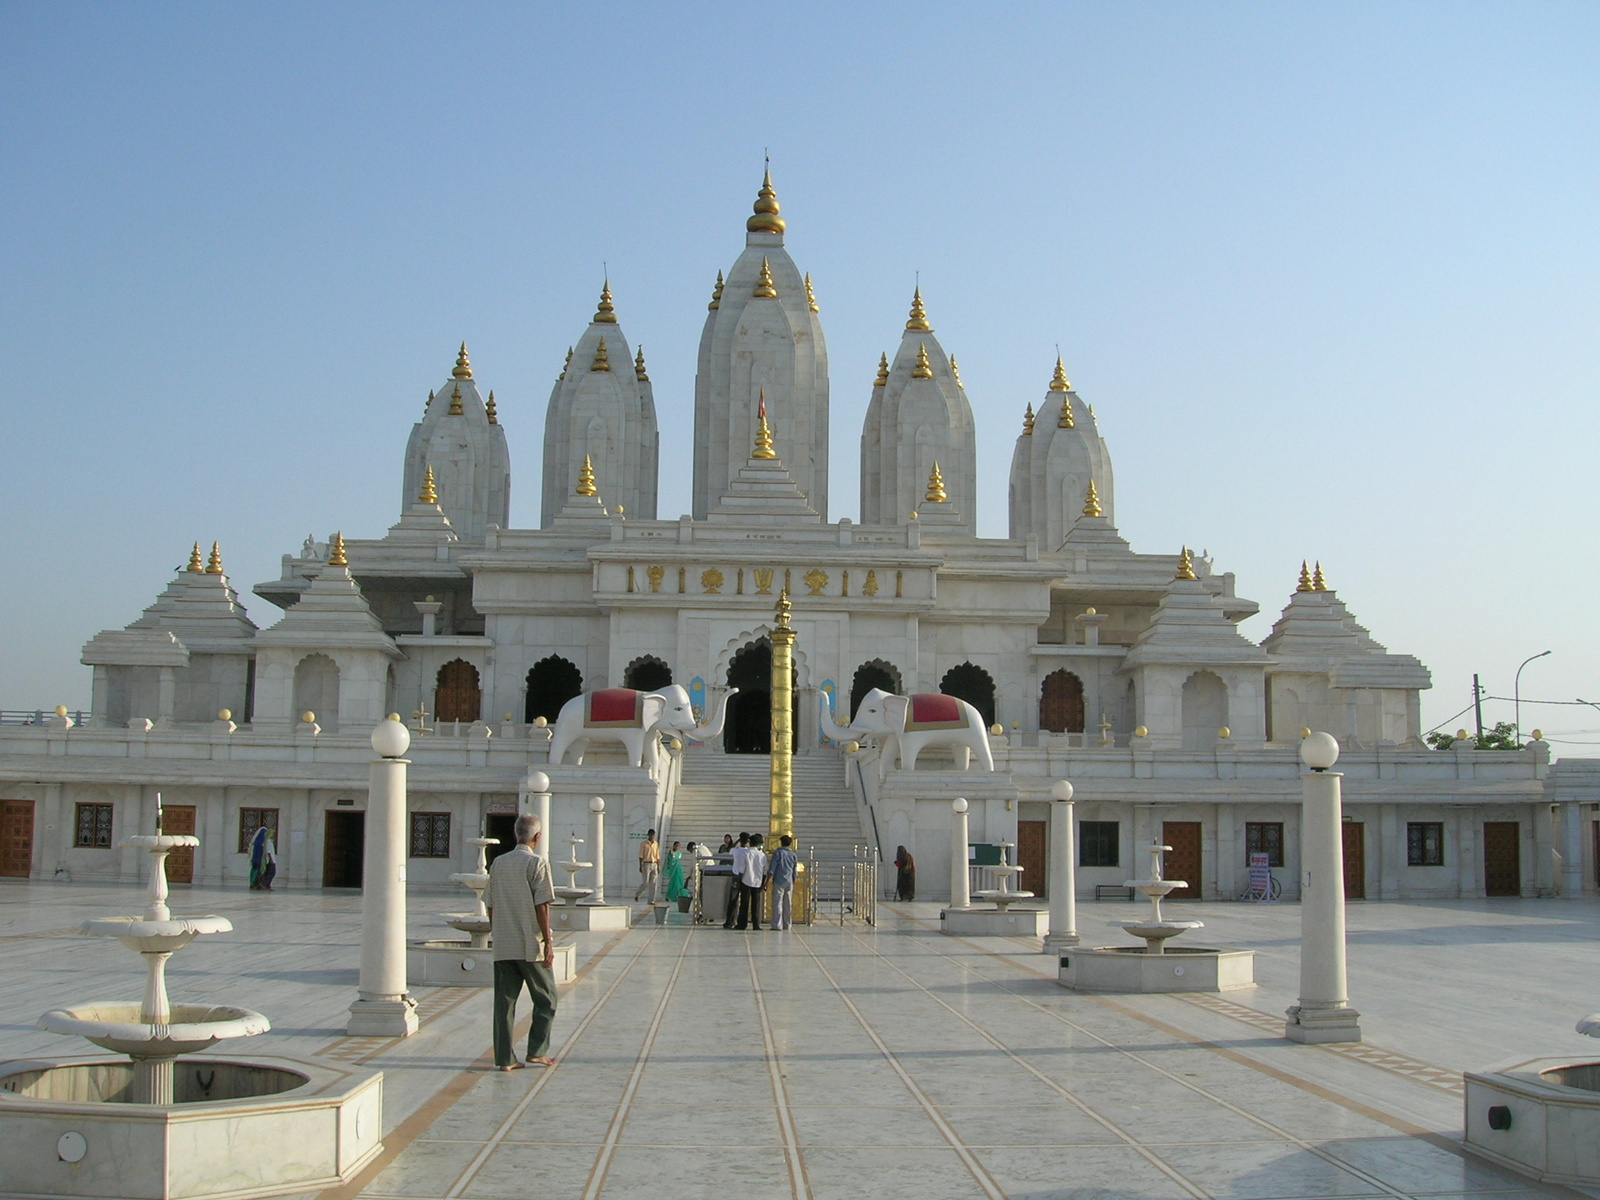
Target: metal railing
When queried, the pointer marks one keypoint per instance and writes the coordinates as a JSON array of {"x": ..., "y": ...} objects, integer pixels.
[
  {"x": 845, "y": 887},
  {"x": 38, "y": 716}
]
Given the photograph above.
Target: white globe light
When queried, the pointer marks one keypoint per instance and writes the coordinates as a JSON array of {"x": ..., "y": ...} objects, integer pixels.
[
  {"x": 538, "y": 781},
  {"x": 1319, "y": 751},
  {"x": 1062, "y": 789},
  {"x": 596, "y": 804},
  {"x": 391, "y": 738},
  {"x": 959, "y": 804}
]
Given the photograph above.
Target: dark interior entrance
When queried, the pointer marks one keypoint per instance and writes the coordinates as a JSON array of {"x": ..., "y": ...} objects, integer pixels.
[
  {"x": 1355, "y": 860},
  {"x": 1502, "y": 858},
  {"x": 551, "y": 683},
  {"x": 179, "y": 818},
  {"x": 504, "y": 827},
  {"x": 343, "y": 846},
  {"x": 748, "y": 729},
  {"x": 16, "y": 838},
  {"x": 1183, "y": 860}
]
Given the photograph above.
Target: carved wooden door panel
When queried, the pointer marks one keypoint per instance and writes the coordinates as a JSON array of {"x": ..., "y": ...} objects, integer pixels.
[
  {"x": 1355, "y": 860},
  {"x": 179, "y": 818},
  {"x": 1061, "y": 703},
  {"x": 16, "y": 838},
  {"x": 1183, "y": 860},
  {"x": 1502, "y": 858},
  {"x": 1032, "y": 857},
  {"x": 458, "y": 696}
]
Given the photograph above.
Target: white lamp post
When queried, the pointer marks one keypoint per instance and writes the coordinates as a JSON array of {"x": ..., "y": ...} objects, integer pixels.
[
  {"x": 960, "y": 889},
  {"x": 1323, "y": 1013},
  {"x": 597, "y": 842},
  {"x": 383, "y": 1007},
  {"x": 1063, "y": 872}
]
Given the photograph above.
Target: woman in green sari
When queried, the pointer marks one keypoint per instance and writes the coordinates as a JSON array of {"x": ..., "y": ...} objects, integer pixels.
[{"x": 672, "y": 869}]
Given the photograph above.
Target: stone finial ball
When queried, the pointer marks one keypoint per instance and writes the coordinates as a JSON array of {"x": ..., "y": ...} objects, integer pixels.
[
  {"x": 997, "y": 729},
  {"x": 225, "y": 714},
  {"x": 852, "y": 747},
  {"x": 959, "y": 804},
  {"x": 390, "y": 737},
  {"x": 1305, "y": 731},
  {"x": 540, "y": 723},
  {"x": 1224, "y": 733},
  {"x": 308, "y": 717},
  {"x": 1061, "y": 789},
  {"x": 1319, "y": 751},
  {"x": 1538, "y": 735},
  {"x": 596, "y": 804},
  {"x": 1142, "y": 731},
  {"x": 676, "y": 743},
  {"x": 1461, "y": 735},
  {"x": 538, "y": 781},
  {"x": 61, "y": 710}
]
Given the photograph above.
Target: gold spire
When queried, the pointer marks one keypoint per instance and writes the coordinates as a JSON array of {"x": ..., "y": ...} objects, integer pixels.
[
  {"x": 1059, "y": 381},
  {"x": 922, "y": 370},
  {"x": 195, "y": 567},
  {"x": 918, "y": 321},
  {"x": 936, "y": 493},
  {"x": 766, "y": 218},
  {"x": 1068, "y": 419},
  {"x": 586, "y": 479},
  {"x": 811, "y": 296},
  {"x": 494, "y": 414},
  {"x": 429, "y": 494},
  {"x": 429, "y": 404},
  {"x": 639, "y": 372},
  {"x": 336, "y": 557},
  {"x": 716, "y": 295},
  {"x": 883, "y": 371},
  {"x": 956, "y": 371},
  {"x": 214, "y": 567},
  {"x": 763, "y": 432},
  {"x": 606, "y": 313},
  {"x": 602, "y": 361},
  {"x": 1027, "y": 421},
  {"x": 1185, "y": 565},
  {"x": 567, "y": 363},
  {"x": 463, "y": 364},
  {"x": 455, "y": 402},
  {"x": 1305, "y": 584},
  {"x": 1318, "y": 582},
  {"x": 1091, "y": 502},
  {"x": 783, "y": 608},
  {"x": 764, "y": 289}
]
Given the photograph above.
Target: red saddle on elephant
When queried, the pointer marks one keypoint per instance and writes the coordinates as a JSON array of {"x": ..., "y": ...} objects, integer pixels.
[
  {"x": 935, "y": 710},
  {"x": 613, "y": 708}
]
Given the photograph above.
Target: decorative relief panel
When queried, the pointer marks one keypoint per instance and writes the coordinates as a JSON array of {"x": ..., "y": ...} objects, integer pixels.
[
  {"x": 711, "y": 581},
  {"x": 870, "y": 587},
  {"x": 816, "y": 580},
  {"x": 763, "y": 581},
  {"x": 655, "y": 574}
]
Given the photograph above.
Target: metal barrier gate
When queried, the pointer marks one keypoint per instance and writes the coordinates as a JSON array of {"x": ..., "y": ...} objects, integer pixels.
[{"x": 844, "y": 888}]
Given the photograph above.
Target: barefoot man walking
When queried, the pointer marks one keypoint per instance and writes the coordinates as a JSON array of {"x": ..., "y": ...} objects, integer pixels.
[{"x": 519, "y": 899}]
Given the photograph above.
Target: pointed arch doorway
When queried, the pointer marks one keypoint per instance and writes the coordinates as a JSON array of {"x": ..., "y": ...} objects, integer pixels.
[{"x": 748, "y": 728}]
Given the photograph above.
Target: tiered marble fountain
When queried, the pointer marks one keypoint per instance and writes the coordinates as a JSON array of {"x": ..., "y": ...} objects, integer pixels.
[
  {"x": 449, "y": 961},
  {"x": 571, "y": 893},
  {"x": 1156, "y": 967},
  {"x": 1005, "y": 895},
  {"x": 161, "y": 1125},
  {"x": 474, "y": 924}
]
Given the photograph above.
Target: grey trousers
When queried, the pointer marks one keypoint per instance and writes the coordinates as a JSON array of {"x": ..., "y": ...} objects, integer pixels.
[{"x": 509, "y": 979}]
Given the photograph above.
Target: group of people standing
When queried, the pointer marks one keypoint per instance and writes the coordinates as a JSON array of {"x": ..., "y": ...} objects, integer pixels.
[
  {"x": 675, "y": 872},
  {"x": 753, "y": 870}
]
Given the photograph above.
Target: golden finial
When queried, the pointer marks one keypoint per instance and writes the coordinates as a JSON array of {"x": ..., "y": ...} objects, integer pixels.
[
  {"x": 455, "y": 402},
  {"x": 923, "y": 370},
  {"x": 602, "y": 361},
  {"x": 565, "y": 365},
  {"x": 1068, "y": 418},
  {"x": 214, "y": 567},
  {"x": 766, "y": 218},
  {"x": 1059, "y": 381},
  {"x": 1318, "y": 582},
  {"x": 639, "y": 372},
  {"x": 764, "y": 289},
  {"x": 1027, "y": 422},
  {"x": 883, "y": 371},
  {"x": 336, "y": 556},
  {"x": 763, "y": 433},
  {"x": 936, "y": 493},
  {"x": 489, "y": 408},
  {"x": 716, "y": 295},
  {"x": 1305, "y": 584},
  {"x": 918, "y": 321},
  {"x": 784, "y": 606},
  {"x": 586, "y": 479},
  {"x": 429, "y": 405},
  {"x": 606, "y": 313},
  {"x": 956, "y": 371},
  {"x": 1185, "y": 565},
  {"x": 195, "y": 565},
  {"x": 811, "y": 296},
  {"x": 463, "y": 364},
  {"x": 1091, "y": 502},
  {"x": 429, "y": 494}
]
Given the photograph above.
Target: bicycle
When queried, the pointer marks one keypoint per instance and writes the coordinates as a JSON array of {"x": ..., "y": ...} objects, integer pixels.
[{"x": 1263, "y": 893}]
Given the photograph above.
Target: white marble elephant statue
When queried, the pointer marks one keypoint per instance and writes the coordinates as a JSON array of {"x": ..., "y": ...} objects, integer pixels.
[
  {"x": 908, "y": 724},
  {"x": 636, "y": 719}
]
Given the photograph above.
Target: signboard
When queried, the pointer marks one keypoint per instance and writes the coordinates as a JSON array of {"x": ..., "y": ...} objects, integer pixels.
[
  {"x": 983, "y": 854},
  {"x": 1260, "y": 875}
]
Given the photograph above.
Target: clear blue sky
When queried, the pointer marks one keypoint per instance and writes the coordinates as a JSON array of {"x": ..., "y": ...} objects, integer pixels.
[{"x": 1327, "y": 274}]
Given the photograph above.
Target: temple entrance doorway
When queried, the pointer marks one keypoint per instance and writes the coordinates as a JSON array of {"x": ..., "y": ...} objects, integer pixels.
[
  {"x": 458, "y": 695},
  {"x": 1033, "y": 847},
  {"x": 16, "y": 838},
  {"x": 504, "y": 827},
  {"x": 343, "y": 841},
  {"x": 1183, "y": 860},
  {"x": 1061, "y": 703},
  {"x": 748, "y": 728}
]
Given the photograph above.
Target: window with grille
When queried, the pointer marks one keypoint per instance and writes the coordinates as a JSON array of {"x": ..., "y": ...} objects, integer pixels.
[
  {"x": 1098, "y": 843},
  {"x": 252, "y": 819},
  {"x": 430, "y": 835},
  {"x": 1424, "y": 844},
  {"x": 1264, "y": 837},
  {"x": 94, "y": 826}
]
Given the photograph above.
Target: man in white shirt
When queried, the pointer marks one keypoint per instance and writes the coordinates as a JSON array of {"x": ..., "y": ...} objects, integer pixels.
[{"x": 752, "y": 877}]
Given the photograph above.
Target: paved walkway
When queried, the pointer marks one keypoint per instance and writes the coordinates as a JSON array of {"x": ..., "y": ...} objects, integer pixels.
[{"x": 893, "y": 1062}]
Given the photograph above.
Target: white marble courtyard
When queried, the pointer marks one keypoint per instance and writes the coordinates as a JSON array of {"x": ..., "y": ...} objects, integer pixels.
[{"x": 892, "y": 1062}]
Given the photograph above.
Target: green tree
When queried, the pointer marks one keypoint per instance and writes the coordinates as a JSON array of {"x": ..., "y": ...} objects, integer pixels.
[{"x": 1502, "y": 737}]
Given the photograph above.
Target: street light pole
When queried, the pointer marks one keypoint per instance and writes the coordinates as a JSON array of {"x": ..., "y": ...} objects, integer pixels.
[{"x": 1516, "y": 694}]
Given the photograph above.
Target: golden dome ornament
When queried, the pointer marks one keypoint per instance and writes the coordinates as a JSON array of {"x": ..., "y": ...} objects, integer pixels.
[
  {"x": 602, "y": 361},
  {"x": 1091, "y": 502},
  {"x": 586, "y": 479},
  {"x": 765, "y": 290},
  {"x": 936, "y": 493},
  {"x": 336, "y": 554},
  {"x": 491, "y": 411},
  {"x": 214, "y": 567},
  {"x": 1319, "y": 582},
  {"x": 429, "y": 493},
  {"x": 917, "y": 322},
  {"x": 1305, "y": 584},
  {"x": 605, "y": 312},
  {"x": 765, "y": 218},
  {"x": 923, "y": 369},
  {"x": 196, "y": 564},
  {"x": 639, "y": 372},
  {"x": 716, "y": 295},
  {"x": 1059, "y": 381},
  {"x": 811, "y": 296},
  {"x": 463, "y": 367},
  {"x": 1028, "y": 420},
  {"x": 763, "y": 447},
  {"x": 1185, "y": 565},
  {"x": 455, "y": 402},
  {"x": 883, "y": 371}
]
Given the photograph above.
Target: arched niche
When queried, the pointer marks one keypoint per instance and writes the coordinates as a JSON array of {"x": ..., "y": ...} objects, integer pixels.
[
  {"x": 552, "y": 682},
  {"x": 1205, "y": 710},
  {"x": 875, "y": 673},
  {"x": 457, "y": 693},
  {"x": 1061, "y": 703},
  {"x": 972, "y": 684},
  {"x": 647, "y": 673},
  {"x": 316, "y": 690}
]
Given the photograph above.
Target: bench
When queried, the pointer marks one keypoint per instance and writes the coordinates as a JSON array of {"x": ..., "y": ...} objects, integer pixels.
[{"x": 1112, "y": 891}]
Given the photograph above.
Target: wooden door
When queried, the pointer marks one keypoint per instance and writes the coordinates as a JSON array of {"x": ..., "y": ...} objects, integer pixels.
[
  {"x": 1183, "y": 860},
  {"x": 1355, "y": 860},
  {"x": 1032, "y": 857},
  {"x": 16, "y": 838},
  {"x": 458, "y": 696},
  {"x": 343, "y": 848},
  {"x": 1502, "y": 858},
  {"x": 179, "y": 818},
  {"x": 1061, "y": 703}
]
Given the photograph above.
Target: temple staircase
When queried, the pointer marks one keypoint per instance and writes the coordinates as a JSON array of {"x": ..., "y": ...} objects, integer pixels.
[{"x": 729, "y": 793}]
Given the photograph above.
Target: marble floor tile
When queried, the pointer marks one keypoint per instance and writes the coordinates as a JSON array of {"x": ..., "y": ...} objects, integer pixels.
[
  {"x": 1078, "y": 1173},
  {"x": 922, "y": 1173},
  {"x": 839, "y": 1126},
  {"x": 548, "y": 1122},
  {"x": 1251, "y": 1171},
  {"x": 424, "y": 1169},
  {"x": 521, "y": 1171},
  {"x": 716, "y": 1125},
  {"x": 1027, "y": 1125},
  {"x": 1414, "y": 1165}
]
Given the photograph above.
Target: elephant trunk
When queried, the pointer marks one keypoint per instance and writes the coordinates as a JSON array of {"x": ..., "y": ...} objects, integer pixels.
[
  {"x": 832, "y": 730},
  {"x": 713, "y": 727}
]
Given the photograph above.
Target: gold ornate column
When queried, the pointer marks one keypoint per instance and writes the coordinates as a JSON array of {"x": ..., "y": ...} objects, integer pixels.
[{"x": 782, "y": 811}]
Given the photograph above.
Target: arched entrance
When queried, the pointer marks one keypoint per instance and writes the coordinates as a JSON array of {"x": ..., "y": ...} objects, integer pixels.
[
  {"x": 552, "y": 682},
  {"x": 1061, "y": 703},
  {"x": 1205, "y": 710},
  {"x": 316, "y": 690},
  {"x": 869, "y": 675},
  {"x": 647, "y": 673},
  {"x": 748, "y": 728},
  {"x": 972, "y": 684},
  {"x": 456, "y": 694}
]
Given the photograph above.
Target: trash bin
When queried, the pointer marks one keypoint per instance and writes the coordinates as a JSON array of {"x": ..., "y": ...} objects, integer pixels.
[
  {"x": 661, "y": 913},
  {"x": 684, "y": 901}
]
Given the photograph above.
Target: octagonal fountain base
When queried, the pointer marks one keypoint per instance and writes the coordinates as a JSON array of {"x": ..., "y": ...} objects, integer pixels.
[
  {"x": 235, "y": 1130},
  {"x": 447, "y": 963},
  {"x": 994, "y": 922},
  {"x": 1537, "y": 1116},
  {"x": 1131, "y": 969},
  {"x": 573, "y": 918}
]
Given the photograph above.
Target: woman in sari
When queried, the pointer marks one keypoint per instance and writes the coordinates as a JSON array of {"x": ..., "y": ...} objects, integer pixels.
[
  {"x": 263, "y": 860},
  {"x": 673, "y": 871},
  {"x": 905, "y": 880}
]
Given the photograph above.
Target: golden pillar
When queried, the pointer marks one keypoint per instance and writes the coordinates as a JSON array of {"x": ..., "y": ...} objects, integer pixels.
[{"x": 782, "y": 811}]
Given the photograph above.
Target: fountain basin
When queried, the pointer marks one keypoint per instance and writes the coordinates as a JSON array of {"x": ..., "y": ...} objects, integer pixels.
[
  {"x": 118, "y": 1028},
  {"x": 238, "y": 1129},
  {"x": 572, "y": 918},
  {"x": 1132, "y": 969},
  {"x": 1155, "y": 933},
  {"x": 995, "y": 922},
  {"x": 155, "y": 937},
  {"x": 446, "y": 962},
  {"x": 1548, "y": 1115}
]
